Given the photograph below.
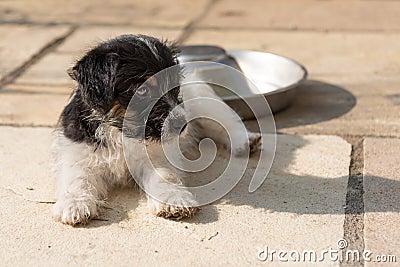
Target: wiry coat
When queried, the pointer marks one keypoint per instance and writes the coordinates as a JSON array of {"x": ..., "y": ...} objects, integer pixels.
[{"x": 88, "y": 141}]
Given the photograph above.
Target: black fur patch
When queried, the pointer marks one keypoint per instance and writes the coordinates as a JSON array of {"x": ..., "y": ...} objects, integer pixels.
[{"x": 111, "y": 73}]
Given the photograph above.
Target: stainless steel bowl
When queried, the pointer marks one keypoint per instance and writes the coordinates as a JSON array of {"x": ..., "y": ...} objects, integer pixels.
[{"x": 276, "y": 77}]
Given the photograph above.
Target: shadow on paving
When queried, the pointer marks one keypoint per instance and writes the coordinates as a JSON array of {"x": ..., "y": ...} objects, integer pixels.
[{"x": 315, "y": 101}]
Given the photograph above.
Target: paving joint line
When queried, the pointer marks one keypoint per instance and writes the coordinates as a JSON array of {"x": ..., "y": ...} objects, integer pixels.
[
  {"x": 93, "y": 24},
  {"x": 50, "y": 47},
  {"x": 27, "y": 125},
  {"x": 29, "y": 92},
  {"x": 297, "y": 29},
  {"x": 218, "y": 28},
  {"x": 346, "y": 137},
  {"x": 354, "y": 210},
  {"x": 190, "y": 27}
]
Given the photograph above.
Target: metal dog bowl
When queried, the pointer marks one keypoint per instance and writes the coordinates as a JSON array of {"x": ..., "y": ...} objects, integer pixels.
[{"x": 275, "y": 77}]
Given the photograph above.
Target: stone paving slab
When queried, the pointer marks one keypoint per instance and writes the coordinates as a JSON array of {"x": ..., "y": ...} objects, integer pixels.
[
  {"x": 17, "y": 44},
  {"x": 50, "y": 70},
  {"x": 37, "y": 89},
  {"x": 25, "y": 156},
  {"x": 31, "y": 109},
  {"x": 381, "y": 198},
  {"x": 310, "y": 15},
  {"x": 300, "y": 206},
  {"x": 344, "y": 108},
  {"x": 175, "y": 13}
]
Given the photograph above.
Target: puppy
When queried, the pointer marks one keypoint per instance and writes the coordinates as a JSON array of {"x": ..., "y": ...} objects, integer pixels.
[{"x": 88, "y": 141}]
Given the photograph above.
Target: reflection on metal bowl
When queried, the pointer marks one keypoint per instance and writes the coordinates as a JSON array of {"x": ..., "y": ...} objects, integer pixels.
[{"x": 275, "y": 77}]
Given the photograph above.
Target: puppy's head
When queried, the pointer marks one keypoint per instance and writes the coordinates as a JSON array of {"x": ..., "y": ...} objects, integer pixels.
[{"x": 110, "y": 74}]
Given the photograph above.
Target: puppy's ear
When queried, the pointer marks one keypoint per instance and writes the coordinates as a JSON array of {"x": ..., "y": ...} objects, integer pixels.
[
  {"x": 95, "y": 74},
  {"x": 72, "y": 73}
]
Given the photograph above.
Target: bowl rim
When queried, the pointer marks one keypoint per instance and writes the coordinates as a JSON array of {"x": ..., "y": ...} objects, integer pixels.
[{"x": 280, "y": 90}]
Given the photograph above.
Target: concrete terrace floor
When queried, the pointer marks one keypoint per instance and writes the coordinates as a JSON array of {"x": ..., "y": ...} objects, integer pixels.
[{"x": 337, "y": 169}]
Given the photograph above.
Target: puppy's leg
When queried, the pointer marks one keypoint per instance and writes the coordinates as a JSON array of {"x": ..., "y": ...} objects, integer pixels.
[
  {"x": 79, "y": 187},
  {"x": 172, "y": 201},
  {"x": 245, "y": 142}
]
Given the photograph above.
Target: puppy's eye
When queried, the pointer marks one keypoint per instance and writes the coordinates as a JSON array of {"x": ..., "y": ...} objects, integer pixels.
[{"x": 142, "y": 91}]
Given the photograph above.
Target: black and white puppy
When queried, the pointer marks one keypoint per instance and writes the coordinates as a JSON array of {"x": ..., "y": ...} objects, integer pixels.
[{"x": 88, "y": 141}]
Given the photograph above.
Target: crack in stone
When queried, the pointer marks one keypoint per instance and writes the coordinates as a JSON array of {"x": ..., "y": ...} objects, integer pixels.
[
  {"x": 190, "y": 27},
  {"x": 12, "y": 190}
]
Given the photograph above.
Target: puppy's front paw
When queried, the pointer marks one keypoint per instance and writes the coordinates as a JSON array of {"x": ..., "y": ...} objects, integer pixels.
[
  {"x": 72, "y": 212},
  {"x": 254, "y": 142},
  {"x": 251, "y": 146},
  {"x": 178, "y": 205},
  {"x": 175, "y": 212}
]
